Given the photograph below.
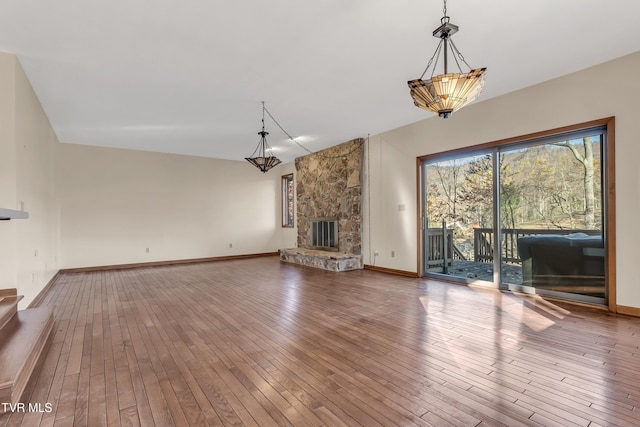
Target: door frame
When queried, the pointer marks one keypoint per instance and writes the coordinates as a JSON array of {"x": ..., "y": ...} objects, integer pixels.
[{"x": 608, "y": 192}]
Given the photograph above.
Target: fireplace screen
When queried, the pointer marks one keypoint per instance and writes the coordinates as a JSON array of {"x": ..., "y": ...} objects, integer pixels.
[{"x": 324, "y": 234}]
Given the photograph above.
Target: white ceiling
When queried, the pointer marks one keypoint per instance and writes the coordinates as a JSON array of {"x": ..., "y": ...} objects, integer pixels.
[{"x": 189, "y": 76}]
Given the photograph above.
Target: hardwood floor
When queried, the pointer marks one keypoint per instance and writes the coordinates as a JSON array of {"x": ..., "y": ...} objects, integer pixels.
[{"x": 260, "y": 343}]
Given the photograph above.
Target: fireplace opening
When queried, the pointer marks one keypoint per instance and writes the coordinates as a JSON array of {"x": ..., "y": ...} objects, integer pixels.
[{"x": 324, "y": 234}]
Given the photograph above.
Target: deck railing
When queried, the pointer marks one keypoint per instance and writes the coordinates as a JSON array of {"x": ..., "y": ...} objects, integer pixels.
[
  {"x": 436, "y": 242},
  {"x": 483, "y": 239}
]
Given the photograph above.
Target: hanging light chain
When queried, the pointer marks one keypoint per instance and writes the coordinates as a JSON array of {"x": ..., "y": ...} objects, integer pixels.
[
  {"x": 435, "y": 56},
  {"x": 453, "y": 45},
  {"x": 263, "y": 149},
  {"x": 264, "y": 109},
  {"x": 445, "y": 18},
  {"x": 282, "y": 129},
  {"x": 459, "y": 54}
]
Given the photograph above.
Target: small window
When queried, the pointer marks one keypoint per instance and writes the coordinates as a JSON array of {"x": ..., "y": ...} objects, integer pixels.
[{"x": 288, "y": 195}]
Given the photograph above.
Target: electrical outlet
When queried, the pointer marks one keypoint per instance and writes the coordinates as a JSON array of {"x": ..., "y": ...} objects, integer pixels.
[
  {"x": 147, "y": 250},
  {"x": 393, "y": 254},
  {"x": 376, "y": 253},
  {"x": 230, "y": 245}
]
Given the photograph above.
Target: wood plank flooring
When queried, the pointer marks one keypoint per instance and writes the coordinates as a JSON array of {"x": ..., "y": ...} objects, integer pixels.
[{"x": 259, "y": 343}]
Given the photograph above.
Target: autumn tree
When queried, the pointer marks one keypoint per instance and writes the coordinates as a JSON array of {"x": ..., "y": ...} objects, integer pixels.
[
  {"x": 476, "y": 192},
  {"x": 585, "y": 158},
  {"x": 442, "y": 200}
]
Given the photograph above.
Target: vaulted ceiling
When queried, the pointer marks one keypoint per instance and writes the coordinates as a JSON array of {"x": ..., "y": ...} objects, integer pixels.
[{"x": 188, "y": 77}]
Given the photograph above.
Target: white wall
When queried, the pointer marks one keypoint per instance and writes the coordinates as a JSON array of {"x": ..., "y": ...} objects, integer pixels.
[
  {"x": 92, "y": 206},
  {"x": 29, "y": 250},
  {"x": 117, "y": 203},
  {"x": 606, "y": 90},
  {"x": 388, "y": 199},
  {"x": 8, "y": 237}
]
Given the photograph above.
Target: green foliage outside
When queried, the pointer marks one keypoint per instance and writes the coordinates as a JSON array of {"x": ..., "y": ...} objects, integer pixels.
[{"x": 552, "y": 186}]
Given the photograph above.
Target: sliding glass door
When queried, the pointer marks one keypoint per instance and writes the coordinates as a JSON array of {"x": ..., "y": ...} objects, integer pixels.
[
  {"x": 458, "y": 202},
  {"x": 551, "y": 210},
  {"x": 528, "y": 215}
]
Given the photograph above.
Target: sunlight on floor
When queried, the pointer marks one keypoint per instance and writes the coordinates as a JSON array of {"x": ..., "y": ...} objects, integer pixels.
[{"x": 515, "y": 305}]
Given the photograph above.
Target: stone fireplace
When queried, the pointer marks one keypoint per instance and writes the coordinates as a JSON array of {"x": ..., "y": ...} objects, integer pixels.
[
  {"x": 329, "y": 185},
  {"x": 328, "y": 206}
]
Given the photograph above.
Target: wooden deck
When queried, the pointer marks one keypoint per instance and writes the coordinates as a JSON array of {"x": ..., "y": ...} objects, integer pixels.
[
  {"x": 257, "y": 342},
  {"x": 472, "y": 271}
]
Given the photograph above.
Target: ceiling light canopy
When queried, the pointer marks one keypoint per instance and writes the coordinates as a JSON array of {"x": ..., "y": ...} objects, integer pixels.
[
  {"x": 262, "y": 157},
  {"x": 448, "y": 92}
]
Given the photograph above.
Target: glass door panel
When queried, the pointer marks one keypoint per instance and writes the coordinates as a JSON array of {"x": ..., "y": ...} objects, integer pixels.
[
  {"x": 551, "y": 217},
  {"x": 458, "y": 203}
]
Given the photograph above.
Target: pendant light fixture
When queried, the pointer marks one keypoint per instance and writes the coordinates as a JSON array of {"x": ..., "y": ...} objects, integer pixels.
[
  {"x": 262, "y": 157},
  {"x": 448, "y": 92}
]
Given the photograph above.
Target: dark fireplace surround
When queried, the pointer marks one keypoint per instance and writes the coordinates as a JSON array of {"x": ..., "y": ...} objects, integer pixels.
[{"x": 324, "y": 234}]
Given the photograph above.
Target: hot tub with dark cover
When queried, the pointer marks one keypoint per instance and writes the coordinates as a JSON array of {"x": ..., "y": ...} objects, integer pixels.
[{"x": 569, "y": 260}]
